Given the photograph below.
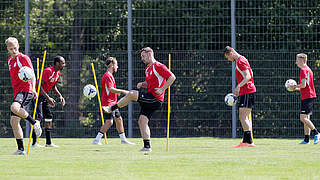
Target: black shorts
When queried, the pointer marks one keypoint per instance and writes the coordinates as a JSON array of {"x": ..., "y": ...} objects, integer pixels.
[
  {"x": 148, "y": 103},
  {"x": 43, "y": 110},
  {"x": 115, "y": 114},
  {"x": 26, "y": 101},
  {"x": 247, "y": 100},
  {"x": 306, "y": 106}
]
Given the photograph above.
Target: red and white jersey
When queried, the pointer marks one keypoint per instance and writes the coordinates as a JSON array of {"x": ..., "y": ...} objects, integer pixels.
[
  {"x": 108, "y": 98},
  {"x": 241, "y": 65},
  {"x": 308, "y": 91},
  {"x": 156, "y": 76},
  {"x": 50, "y": 77},
  {"x": 14, "y": 66}
]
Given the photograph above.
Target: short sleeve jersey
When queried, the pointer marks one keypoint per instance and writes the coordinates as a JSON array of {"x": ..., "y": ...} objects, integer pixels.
[
  {"x": 14, "y": 66},
  {"x": 108, "y": 98},
  {"x": 156, "y": 76},
  {"x": 241, "y": 65},
  {"x": 50, "y": 78},
  {"x": 308, "y": 91}
]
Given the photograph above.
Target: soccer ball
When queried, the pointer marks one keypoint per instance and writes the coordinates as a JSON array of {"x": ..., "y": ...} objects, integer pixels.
[
  {"x": 230, "y": 99},
  {"x": 89, "y": 91},
  {"x": 25, "y": 73},
  {"x": 290, "y": 82}
]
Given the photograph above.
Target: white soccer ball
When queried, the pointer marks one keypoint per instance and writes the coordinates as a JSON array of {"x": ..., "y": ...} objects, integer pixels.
[
  {"x": 89, "y": 91},
  {"x": 25, "y": 73},
  {"x": 230, "y": 99},
  {"x": 290, "y": 82}
]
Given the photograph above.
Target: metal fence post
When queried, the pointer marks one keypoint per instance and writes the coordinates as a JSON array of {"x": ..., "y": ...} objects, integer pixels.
[
  {"x": 27, "y": 48},
  {"x": 233, "y": 44},
  {"x": 130, "y": 107}
]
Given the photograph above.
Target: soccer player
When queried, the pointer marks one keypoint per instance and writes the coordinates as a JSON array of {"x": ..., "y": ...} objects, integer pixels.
[
  {"x": 23, "y": 92},
  {"x": 109, "y": 97},
  {"x": 158, "y": 79},
  {"x": 50, "y": 78},
  {"x": 246, "y": 89},
  {"x": 308, "y": 95}
]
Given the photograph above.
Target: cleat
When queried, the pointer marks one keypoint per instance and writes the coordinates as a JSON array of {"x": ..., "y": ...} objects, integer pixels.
[
  {"x": 316, "y": 138},
  {"x": 145, "y": 149},
  {"x": 51, "y": 145},
  {"x": 242, "y": 145},
  {"x": 107, "y": 109},
  {"x": 36, "y": 145},
  {"x": 37, "y": 128},
  {"x": 251, "y": 145},
  {"x": 19, "y": 152},
  {"x": 303, "y": 142},
  {"x": 127, "y": 142},
  {"x": 97, "y": 142}
]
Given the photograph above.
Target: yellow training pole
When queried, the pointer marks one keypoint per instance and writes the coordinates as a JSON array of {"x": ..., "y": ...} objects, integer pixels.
[
  {"x": 35, "y": 106},
  {"x": 38, "y": 62},
  {"x": 251, "y": 127},
  {"x": 167, "y": 147},
  {"x": 101, "y": 112}
]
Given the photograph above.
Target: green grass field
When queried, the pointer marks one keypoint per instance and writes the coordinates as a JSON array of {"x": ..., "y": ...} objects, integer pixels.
[{"x": 187, "y": 158}]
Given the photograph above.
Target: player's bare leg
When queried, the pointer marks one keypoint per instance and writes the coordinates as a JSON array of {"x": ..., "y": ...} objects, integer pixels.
[
  {"x": 120, "y": 129},
  {"x": 308, "y": 126},
  {"x": 18, "y": 134},
  {"x": 245, "y": 120},
  {"x": 131, "y": 96},
  {"x": 145, "y": 132}
]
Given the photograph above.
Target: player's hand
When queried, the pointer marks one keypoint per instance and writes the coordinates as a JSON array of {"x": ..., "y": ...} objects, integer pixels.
[
  {"x": 63, "y": 102},
  {"x": 292, "y": 87},
  {"x": 35, "y": 95},
  {"x": 51, "y": 102},
  {"x": 236, "y": 91},
  {"x": 139, "y": 85},
  {"x": 159, "y": 90}
]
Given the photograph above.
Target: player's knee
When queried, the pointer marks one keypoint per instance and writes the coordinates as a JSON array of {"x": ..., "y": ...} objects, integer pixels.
[
  {"x": 110, "y": 122},
  {"x": 15, "y": 107}
]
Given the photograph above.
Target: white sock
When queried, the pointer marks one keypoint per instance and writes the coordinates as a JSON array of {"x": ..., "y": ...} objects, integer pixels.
[
  {"x": 99, "y": 136},
  {"x": 122, "y": 136}
]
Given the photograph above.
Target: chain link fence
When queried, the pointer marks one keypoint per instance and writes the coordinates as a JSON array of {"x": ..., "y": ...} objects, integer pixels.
[{"x": 269, "y": 33}]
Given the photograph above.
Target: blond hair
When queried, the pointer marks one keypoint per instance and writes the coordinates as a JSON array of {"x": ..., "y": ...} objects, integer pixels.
[
  {"x": 11, "y": 40},
  {"x": 302, "y": 56}
]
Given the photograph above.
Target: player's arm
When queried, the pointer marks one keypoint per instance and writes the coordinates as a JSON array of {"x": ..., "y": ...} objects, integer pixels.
[
  {"x": 33, "y": 82},
  {"x": 57, "y": 92},
  {"x": 50, "y": 100},
  {"x": 142, "y": 84},
  {"x": 303, "y": 84},
  {"x": 168, "y": 83},
  {"x": 246, "y": 78},
  {"x": 115, "y": 90}
]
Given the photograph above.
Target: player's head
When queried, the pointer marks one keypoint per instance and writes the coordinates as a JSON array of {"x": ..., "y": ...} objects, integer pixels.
[
  {"x": 147, "y": 55},
  {"x": 12, "y": 46},
  {"x": 112, "y": 64},
  {"x": 59, "y": 63},
  {"x": 230, "y": 54},
  {"x": 301, "y": 59}
]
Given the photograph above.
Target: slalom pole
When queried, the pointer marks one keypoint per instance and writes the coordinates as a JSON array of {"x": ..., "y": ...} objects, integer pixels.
[
  {"x": 98, "y": 95},
  {"x": 168, "y": 122},
  {"x": 35, "y": 106},
  {"x": 38, "y": 62}
]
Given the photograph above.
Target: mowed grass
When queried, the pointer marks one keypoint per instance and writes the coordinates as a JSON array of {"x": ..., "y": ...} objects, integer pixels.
[{"x": 187, "y": 158}]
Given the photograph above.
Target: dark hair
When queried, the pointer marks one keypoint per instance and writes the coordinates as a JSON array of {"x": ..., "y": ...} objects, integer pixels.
[
  {"x": 57, "y": 59},
  {"x": 110, "y": 60},
  {"x": 146, "y": 49},
  {"x": 227, "y": 50}
]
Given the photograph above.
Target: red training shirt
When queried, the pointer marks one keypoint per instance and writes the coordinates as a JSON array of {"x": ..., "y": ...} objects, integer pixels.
[
  {"x": 108, "y": 98},
  {"x": 14, "y": 66},
  {"x": 156, "y": 76},
  {"x": 241, "y": 65},
  {"x": 308, "y": 91},
  {"x": 50, "y": 77}
]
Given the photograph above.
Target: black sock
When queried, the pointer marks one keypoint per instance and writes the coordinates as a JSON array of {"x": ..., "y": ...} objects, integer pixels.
[
  {"x": 306, "y": 138},
  {"x": 20, "y": 144},
  {"x": 146, "y": 143},
  {"x": 48, "y": 135},
  {"x": 114, "y": 107},
  {"x": 34, "y": 138},
  {"x": 30, "y": 119},
  {"x": 315, "y": 131},
  {"x": 247, "y": 137}
]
